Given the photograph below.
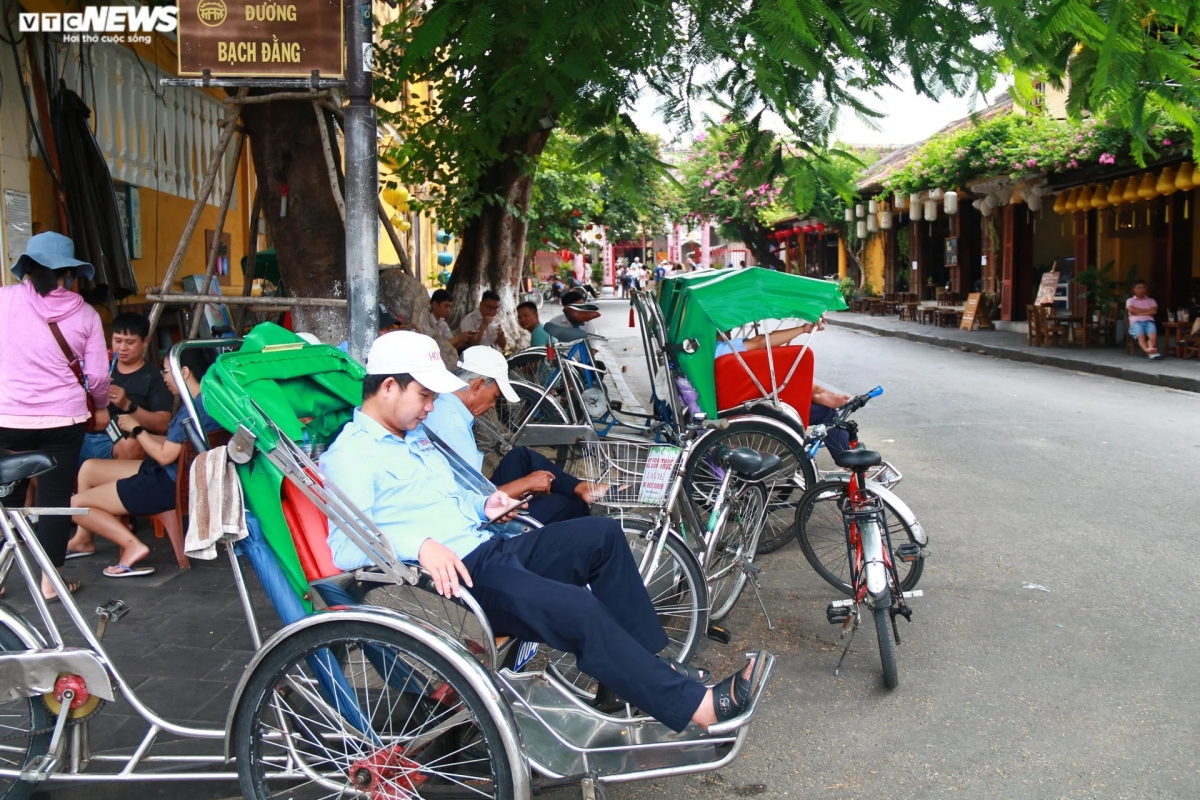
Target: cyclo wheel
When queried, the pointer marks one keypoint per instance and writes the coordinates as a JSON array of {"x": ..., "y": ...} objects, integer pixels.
[
  {"x": 528, "y": 365},
  {"x": 18, "y": 720},
  {"x": 733, "y": 545},
  {"x": 537, "y": 410},
  {"x": 822, "y": 536},
  {"x": 428, "y": 727},
  {"x": 784, "y": 487},
  {"x": 679, "y": 594},
  {"x": 887, "y": 655}
]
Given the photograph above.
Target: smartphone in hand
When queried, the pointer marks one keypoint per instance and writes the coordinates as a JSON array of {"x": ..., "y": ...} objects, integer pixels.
[{"x": 504, "y": 512}]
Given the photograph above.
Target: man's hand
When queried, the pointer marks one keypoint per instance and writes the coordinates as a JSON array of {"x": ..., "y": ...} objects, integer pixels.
[
  {"x": 117, "y": 396},
  {"x": 535, "y": 482},
  {"x": 501, "y": 339},
  {"x": 497, "y": 503},
  {"x": 444, "y": 567},
  {"x": 127, "y": 422}
]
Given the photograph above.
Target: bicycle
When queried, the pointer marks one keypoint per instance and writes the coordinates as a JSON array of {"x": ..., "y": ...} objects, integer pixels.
[{"x": 872, "y": 559}]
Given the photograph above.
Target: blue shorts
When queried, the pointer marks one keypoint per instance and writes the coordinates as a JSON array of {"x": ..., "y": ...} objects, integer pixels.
[
  {"x": 1142, "y": 329},
  {"x": 95, "y": 445}
]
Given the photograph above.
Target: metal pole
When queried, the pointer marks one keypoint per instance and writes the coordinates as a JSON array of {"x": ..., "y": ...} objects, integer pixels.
[{"x": 362, "y": 179}]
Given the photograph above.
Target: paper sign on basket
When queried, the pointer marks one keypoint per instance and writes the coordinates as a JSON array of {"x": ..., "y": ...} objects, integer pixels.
[{"x": 660, "y": 468}]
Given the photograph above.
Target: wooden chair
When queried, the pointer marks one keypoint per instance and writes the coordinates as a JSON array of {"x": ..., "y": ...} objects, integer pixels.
[
  {"x": 1103, "y": 329},
  {"x": 170, "y": 523},
  {"x": 1052, "y": 330}
]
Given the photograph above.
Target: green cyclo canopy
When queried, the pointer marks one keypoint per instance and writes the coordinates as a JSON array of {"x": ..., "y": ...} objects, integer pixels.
[{"x": 697, "y": 305}]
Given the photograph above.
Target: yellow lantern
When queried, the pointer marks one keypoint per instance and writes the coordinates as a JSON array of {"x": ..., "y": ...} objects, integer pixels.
[
  {"x": 1146, "y": 190},
  {"x": 1100, "y": 197},
  {"x": 1084, "y": 201},
  {"x": 1116, "y": 195},
  {"x": 400, "y": 223},
  {"x": 1072, "y": 200},
  {"x": 1184, "y": 179},
  {"x": 1060, "y": 203},
  {"x": 1131, "y": 190},
  {"x": 1165, "y": 185},
  {"x": 395, "y": 196}
]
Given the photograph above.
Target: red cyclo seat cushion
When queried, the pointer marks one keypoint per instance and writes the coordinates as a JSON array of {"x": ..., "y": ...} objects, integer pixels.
[
  {"x": 310, "y": 533},
  {"x": 735, "y": 387}
]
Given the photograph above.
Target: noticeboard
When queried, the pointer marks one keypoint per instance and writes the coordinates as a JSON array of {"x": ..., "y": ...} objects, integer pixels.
[
  {"x": 1047, "y": 289},
  {"x": 256, "y": 39},
  {"x": 970, "y": 310}
]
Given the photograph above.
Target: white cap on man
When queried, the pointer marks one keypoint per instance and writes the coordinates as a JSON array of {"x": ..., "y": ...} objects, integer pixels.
[
  {"x": 490, "y": 363},
  {"x": 414, "y": 354}
]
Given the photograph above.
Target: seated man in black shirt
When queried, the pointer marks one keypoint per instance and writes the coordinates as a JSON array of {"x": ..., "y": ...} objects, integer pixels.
[{"x": 137, "y": 389}]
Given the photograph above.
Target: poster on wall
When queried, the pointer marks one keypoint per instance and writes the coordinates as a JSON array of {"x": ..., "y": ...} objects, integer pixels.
[{"x": 18, "y": 222}]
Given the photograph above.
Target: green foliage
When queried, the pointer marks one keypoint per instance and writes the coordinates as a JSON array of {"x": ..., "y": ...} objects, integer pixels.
[
  {"x": 1131, "y": 63},
  {"x": 1010, "y": 144},
  {"x": 847, "y": 288},
  {"x": 564, "y": 197}
]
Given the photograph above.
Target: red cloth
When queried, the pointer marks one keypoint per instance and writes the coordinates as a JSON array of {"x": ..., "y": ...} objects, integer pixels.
[{"x": 734, "y": 385}]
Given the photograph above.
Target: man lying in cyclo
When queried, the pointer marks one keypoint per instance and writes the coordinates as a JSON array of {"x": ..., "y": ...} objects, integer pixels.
[
  {"x": 573, "y": 585},
  {"x": 484, "y": 372}
]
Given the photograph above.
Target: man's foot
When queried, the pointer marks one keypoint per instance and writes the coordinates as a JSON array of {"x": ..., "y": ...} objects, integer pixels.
[
  {"x": 728, "y": 699},
  {"x": 50, "y": 596},
  {"x": 590, "y": 492}
]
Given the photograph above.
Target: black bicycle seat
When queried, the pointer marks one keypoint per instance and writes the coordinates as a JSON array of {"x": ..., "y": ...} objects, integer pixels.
[
  {"x": 857, "y": 459},
  {"x": 20, "y": 466},
  {"x": 750, "y": 464}
]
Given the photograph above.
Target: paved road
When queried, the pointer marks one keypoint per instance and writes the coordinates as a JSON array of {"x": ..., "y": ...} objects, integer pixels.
[{"x": 1021, "y": 474}]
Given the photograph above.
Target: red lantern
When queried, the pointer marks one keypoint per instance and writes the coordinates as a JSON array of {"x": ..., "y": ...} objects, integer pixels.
[
  {"x": 577, "y": 213},
  {"x": 545, "y": 240},
  {"x": 808, "y": 229},
  {"x": 565, "y": 255},
  {"x": 820, "y": 226}
]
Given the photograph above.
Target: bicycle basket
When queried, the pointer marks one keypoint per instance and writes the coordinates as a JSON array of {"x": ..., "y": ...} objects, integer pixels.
[{"x": 638, "y": 472}]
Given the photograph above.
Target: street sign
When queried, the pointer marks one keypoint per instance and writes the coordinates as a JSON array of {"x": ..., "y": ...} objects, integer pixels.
[
  {"x": 255, "y": 39},
  {"x": 1047, "y": 289},
  {"x": 969, "y": 311}
]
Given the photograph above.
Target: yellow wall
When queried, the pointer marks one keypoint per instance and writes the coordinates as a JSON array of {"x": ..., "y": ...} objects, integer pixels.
[{"x": 873, "y": 262}]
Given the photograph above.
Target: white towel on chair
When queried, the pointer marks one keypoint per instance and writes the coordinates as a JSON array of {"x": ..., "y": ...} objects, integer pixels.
[{"x": 216, "y": 511}]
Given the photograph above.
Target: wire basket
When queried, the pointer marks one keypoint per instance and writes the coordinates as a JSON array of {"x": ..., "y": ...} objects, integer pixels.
[{"x": 638, "y": 473}]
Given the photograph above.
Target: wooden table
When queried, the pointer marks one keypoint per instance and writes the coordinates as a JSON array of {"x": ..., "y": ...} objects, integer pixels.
[
  {"x": 928, "y": 315},
  {"x": 1073, "y": 323},
  {"x": 947, "y": 316},
  {"x": 1179, "y": 329},
  {"x": 908, "y": 311}
]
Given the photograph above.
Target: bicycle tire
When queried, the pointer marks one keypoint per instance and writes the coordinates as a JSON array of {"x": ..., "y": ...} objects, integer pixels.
[
  {"x": 273, "y": 698},
  {"x": 784, "y": 487},
  {"x": 22, "y": 713},
  {"x": 887, "y": 655},
  {"x": 734, "y": 544},
  {"x": 822, "y": 537},
  {"x": 513, "y": 415},
  {"x": 679, "y": 579}
]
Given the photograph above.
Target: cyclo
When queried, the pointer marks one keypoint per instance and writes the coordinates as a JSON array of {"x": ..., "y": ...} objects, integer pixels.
[{"x": 402, "y": 695}]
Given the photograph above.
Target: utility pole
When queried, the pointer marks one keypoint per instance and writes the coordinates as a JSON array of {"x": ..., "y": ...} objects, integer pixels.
[{"x": 362, "y": 183}]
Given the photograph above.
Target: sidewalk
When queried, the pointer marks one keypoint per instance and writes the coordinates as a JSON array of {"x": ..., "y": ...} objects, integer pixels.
[{"x": 1112, "y": 362}]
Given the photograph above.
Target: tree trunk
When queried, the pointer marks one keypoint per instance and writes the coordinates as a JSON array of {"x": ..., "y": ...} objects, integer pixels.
[
  {"x": 310, "y": 242},
  {"x": 493, "y": 243},
  {"x": 755, "y": 239}
]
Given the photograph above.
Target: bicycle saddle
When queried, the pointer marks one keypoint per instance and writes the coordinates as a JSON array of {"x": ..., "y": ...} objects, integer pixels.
[
  {"x": 750, "y": 464},
  {"x": 20, "y": 466},
  {"x": 857, "y": 459}
]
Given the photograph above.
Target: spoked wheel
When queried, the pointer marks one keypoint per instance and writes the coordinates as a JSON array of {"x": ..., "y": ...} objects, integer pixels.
[
  {"x": 531, "y": 407},
  {"x": 822, "y": 536},
  {"x": 733, "y": 547},
  {"x": 679, "y": 594},
  {"x": 356, "y": 709},
  {"x": 529, "y": 365},
  {"x": 784, "y": 487},
  {"x": 24, "y": 729},
  {"x": 883, "y": 632}
]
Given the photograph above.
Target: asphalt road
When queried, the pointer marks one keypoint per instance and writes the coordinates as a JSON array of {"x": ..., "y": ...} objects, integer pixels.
[{"x": 1021, "y": 474}]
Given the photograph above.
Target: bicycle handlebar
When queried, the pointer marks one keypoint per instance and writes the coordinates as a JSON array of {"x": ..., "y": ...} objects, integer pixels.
[{"x": 854, "y": 405}]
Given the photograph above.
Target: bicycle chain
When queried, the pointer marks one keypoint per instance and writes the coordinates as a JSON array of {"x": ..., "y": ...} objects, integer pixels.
[{"x": 50, "y": 728}]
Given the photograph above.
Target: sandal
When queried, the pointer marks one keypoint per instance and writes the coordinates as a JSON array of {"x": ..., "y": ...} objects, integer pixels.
[
  {"x": 731, "y": 697},
  {"x": 125, "y": 571},
  {"x": 698, "y": 674},
  {"x": 72, "y": 586}
]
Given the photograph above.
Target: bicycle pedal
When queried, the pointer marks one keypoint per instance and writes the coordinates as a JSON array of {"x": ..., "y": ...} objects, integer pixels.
[
  {"x": 902, "y": 611},
  {"x": 719, "y": 634},
  {"x": 836, "y": 613},
  {"x": 909, "y": 552}
]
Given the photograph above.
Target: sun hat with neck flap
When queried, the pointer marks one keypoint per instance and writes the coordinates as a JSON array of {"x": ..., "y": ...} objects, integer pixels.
[{"x": 52, "y": 251}]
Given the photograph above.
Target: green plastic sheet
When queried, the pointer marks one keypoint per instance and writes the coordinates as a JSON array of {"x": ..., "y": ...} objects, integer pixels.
[
  {"x": 302, "y": 388},
  {"x": 698, "y": 305}
]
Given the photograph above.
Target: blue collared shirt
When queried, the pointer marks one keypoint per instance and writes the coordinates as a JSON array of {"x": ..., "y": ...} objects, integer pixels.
[
  {"x": 406, "y": 487},
  {"x": 453, "y": 423},
  {"x": 724, "y": 349}
]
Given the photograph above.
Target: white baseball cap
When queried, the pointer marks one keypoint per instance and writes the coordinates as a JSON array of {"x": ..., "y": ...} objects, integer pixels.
[
  {"x": 490, "y": 363},
  {"x": 415, "y": 354}
]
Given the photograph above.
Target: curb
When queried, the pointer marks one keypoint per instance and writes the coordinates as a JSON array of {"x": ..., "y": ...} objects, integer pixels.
[{"x": 1180, "y": 382}]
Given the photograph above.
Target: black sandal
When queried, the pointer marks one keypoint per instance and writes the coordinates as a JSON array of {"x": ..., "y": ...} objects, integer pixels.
[
  {"x": 698, "y": 674},
  {"x": 731, "y": 697},
  {"x": 72, "y": 587}
]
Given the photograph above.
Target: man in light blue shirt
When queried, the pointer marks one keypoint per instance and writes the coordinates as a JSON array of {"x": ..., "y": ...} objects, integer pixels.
[
  {"x": 779, "y": 338},
  {"x": 558, "y": 495},
  {"x": 573, "y": 585}
]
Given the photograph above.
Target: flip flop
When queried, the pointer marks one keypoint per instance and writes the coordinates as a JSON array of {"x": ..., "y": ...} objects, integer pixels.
[
  {"x": 79, "y": 553},
  {"x": 128, "y": 572},
  {"x": 72, "y": 586}
]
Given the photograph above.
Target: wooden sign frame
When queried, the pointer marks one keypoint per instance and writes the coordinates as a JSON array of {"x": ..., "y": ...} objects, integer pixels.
[{"x": 970, "y": 311}]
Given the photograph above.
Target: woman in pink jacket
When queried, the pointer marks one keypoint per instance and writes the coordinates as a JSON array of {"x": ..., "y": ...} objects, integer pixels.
[{"x": 42, "y": 404}]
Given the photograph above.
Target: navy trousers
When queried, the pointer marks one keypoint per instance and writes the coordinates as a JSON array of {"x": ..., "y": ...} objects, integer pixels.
[
  {"x": 561, "y": 504},
  {"x": 837, "y": 439},
  {"x": 533, "y": 587}
]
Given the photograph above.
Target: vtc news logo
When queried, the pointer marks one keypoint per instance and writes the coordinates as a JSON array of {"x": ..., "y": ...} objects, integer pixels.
[{"x": 103, "y": 19}]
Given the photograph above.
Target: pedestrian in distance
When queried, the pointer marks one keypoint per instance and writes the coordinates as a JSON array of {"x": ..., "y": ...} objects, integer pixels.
[{"x": 1141, "y": 310}]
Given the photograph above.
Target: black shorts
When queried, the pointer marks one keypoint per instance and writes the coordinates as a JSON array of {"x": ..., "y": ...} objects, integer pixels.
[{"x": 151, "y": 491}]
